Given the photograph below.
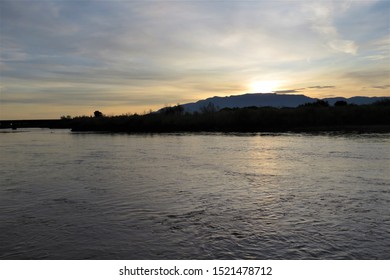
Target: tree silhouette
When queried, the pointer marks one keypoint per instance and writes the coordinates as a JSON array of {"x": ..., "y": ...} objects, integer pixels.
[
  {"x": 210, "y": 108},
  {"x": 98, "y": 114},
  {"x": 341, "y": 103},
  {"x": 175, "y": 110}
]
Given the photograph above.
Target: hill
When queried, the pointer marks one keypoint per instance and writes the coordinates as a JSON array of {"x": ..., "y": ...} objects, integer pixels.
[{"x": 270, "y": 100}]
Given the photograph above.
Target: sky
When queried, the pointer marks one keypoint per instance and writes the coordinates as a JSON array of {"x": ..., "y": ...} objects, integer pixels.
[{"x": 73, "y": 57}]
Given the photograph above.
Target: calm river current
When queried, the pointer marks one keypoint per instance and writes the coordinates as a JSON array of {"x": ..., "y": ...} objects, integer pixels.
[{"x": 67, "y": 195}]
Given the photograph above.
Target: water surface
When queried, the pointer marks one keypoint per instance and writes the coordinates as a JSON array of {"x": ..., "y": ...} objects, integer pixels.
[{"x": 70, "y": 195}]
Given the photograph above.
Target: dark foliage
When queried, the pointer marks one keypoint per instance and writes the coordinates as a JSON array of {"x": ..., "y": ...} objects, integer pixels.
[
  {"x": 98, "y": 114},
  {"x": 383, "y": 102},
  {"x": 310, "y": 117},
  {"x": 341, "y": 103},
  {"x": 175, "y": 110},
  {"x": 318, "y": 103},
  {"x": 210, "y": 108}
]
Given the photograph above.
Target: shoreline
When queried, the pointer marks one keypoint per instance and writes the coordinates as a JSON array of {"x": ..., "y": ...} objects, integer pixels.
[
  {"x": 358, "y": 119},
  {"x": 380, "y": 129}
]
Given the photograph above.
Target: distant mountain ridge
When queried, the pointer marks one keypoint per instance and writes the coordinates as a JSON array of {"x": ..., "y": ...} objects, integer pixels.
[{"x": 270, "y": 100}]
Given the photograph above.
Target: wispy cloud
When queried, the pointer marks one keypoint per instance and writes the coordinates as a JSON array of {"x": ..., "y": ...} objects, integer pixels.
[
  {"x": 286, "y": 91},
  {"x": 382, "y": 87},
  {"x": 149, "y": 53},
  {"x": 322, "y": 17},
  {"x": 321, "y": 87},
  {"x": 370, "y": 76}
]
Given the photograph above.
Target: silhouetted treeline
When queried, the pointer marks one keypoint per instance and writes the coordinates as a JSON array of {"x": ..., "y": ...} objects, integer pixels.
[{"x": 317, "y": 116}]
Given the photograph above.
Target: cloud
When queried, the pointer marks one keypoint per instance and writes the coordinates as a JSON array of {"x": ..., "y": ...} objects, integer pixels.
[
  {"x": 369, "y": 76},
  {"x": 378, "y": 49},
  {"x": 322, "y": 15},
  {"x": 302, "y": 89},
  {"x": 322, "y": 87},
  {"x": 286, "y": 91},
  {"x": 381, "y": 86},
  {"x": 169, "y": 51}
]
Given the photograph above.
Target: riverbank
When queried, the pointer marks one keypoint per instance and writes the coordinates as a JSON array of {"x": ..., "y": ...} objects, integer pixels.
[
  {"x": 43, "y": 123},
  {"x": 367, "y": 118},
  {"x": 373, "y": 118}
]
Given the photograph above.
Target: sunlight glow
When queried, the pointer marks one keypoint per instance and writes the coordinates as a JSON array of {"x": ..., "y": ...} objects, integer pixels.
[{"x": 264, "y": 86}]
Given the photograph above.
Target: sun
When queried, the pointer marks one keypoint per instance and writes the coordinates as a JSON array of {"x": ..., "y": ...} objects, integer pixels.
[{"x": 264, "y": 86}]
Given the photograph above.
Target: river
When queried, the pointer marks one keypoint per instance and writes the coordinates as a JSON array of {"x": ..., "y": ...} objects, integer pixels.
[{"x": 67, "y": 195}]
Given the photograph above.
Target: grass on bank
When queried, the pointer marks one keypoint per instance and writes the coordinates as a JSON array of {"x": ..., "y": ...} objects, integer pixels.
[{"x": 308, "y": 117}]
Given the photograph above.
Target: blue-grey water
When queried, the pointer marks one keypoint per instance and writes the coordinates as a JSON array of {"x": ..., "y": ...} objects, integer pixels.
[{"x": 67, "y": 195}]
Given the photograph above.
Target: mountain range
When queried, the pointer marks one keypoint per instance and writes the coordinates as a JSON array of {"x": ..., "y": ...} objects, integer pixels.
[{"x": 271, "y": 100}]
